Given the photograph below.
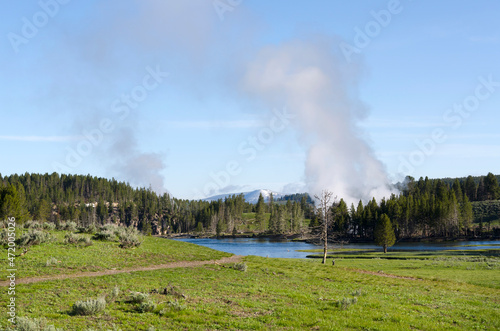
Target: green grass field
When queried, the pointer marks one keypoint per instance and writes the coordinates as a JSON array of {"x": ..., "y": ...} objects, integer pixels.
[
  {"x": 104, "y": 255},
  {"x": 446, "y": 292}
]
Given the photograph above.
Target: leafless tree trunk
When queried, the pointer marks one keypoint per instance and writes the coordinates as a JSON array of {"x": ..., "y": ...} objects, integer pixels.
[{"x": 326, "y": 201}]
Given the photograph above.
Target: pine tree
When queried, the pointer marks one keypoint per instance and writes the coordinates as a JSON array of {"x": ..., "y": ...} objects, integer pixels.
[
  {"x": 491, "y": 189},
  {"x": 13, "y": 204},
  {"x": 466, "y": 213},
  {"x": 260, "y": 212},
  {"x": 43, "y": 211},
  {"x": 470, "y": 188},
  {"x": 384, "y": 233}
]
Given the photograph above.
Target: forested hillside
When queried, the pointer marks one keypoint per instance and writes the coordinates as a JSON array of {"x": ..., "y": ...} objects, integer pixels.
[
  {"x": 424, "y": 208},
  {"x": 87, "y": 199}
]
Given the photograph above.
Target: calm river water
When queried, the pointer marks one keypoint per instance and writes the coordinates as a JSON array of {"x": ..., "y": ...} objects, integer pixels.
[{"x": 288, "y": 249}]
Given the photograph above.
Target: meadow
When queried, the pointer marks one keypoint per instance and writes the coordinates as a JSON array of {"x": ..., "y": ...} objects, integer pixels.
[{"x": 360, "y": 292}]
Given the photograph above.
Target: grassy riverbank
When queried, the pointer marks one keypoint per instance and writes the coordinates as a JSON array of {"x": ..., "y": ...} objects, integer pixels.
[{"x": 442, "y": 292}]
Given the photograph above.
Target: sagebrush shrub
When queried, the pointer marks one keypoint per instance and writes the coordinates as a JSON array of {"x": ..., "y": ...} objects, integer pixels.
[
  {"x": 85, "y": 241},
  {"x": 89, "y": 306},
  {"x": 32, "y": 225},
  {"x": 33, "y": 237},
  {"x": 138, "y": 297},
  {"x": 146, "y": 306},
  {"x": 52, "y": 261},
  {"x": 33, "y": 324},
  {"x": 110, "y": 227},
  {"x": 87, "y": 229},
  {"x": 49, "y": 226},
  {"x": 70, "y": 226},
  {"x": 129, "y": 237},
  {"x": 115, "y": 292},
  {"x": 71, "y": 238},
  {"x": 104, "y": 235},
  {"x": 240, "y": 266},
  {"x": 175, "y": 305},
  {"x": 344, "y": 303}
]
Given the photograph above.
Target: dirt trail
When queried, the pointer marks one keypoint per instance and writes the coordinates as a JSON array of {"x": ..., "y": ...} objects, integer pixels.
[{"x": 179, "y": 264}]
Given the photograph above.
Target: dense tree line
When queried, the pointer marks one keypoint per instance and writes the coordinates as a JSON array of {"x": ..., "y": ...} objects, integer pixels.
[
  {"x": 427, "y": 207},
  {"x": 424, "y": 208},
  {"x": 92, "y": 200}
]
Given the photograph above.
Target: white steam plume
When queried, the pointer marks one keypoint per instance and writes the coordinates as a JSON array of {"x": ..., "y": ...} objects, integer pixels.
[{"x": 320, "y": 88}]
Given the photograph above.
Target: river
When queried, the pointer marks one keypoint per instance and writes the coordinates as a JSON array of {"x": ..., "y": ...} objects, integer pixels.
[{"x": 288, "y": 249}]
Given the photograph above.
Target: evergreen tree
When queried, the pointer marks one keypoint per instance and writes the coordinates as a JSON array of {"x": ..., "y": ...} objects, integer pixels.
[
  {"x": 260, "y": 212},
  {"x": 491, "y": 189},
  {"x": 470, "y": 188},
  {"x": 466, "y": 213},
  {"x": 12, "y": 204},
  {"x": 384, "y": 233},
  {"x": 44, "y": 211}
]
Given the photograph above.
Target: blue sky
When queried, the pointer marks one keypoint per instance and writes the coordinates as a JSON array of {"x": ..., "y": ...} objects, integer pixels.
[{"x": 173, "y": 94}]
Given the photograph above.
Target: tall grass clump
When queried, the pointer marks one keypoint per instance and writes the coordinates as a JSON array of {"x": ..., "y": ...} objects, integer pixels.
[{"x": 89, "y": 306}]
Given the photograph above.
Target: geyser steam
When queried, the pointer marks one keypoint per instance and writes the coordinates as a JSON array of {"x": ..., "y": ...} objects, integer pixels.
[{"x": 320, "y": 88}]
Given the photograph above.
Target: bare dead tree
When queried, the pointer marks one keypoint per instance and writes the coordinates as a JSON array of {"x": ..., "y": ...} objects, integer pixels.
[{"x": 326, "y": 201}]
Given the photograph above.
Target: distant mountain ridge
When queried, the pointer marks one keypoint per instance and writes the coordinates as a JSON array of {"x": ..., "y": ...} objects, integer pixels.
[{"x": 250, "y": 197}]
